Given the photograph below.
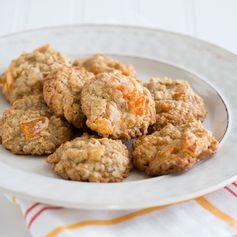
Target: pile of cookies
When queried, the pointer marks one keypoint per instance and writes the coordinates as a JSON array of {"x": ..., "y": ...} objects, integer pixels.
[{"x": 80, "y": 112}]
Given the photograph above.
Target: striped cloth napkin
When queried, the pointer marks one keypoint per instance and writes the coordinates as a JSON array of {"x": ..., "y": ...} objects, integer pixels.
[{"x": 212, "y": 215}]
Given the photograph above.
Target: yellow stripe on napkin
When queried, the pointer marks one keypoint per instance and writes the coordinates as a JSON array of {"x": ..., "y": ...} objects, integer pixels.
[
  {"x": 113, "y": 221},
  {"x": 217, "y": 212}
]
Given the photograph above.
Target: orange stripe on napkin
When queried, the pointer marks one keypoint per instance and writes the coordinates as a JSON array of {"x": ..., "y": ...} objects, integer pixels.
[
  {"x": 113, "y": 221},
  {"x": 217, "y": 212},
  {"x": 13, "y": 199},
  {"x": 201, "y": 201}
]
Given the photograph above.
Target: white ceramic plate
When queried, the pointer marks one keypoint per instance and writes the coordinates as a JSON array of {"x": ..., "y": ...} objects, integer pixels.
[{"x": 212, "y": 72}]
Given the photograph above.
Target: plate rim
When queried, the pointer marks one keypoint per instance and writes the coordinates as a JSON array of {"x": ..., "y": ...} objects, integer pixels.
[{"x": 129, "y": 26}]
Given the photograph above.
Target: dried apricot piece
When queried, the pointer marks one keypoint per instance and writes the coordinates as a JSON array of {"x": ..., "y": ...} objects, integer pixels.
[
  {"x": 137, "y": 103},
  {"x": 30, "y": 129}
]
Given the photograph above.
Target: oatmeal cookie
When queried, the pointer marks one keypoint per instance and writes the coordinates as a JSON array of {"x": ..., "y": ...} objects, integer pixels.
[
  {"x": 91, "y": 159},
  {"x": 62, "y": 91},
  {"x": 173, "y": 149},
  {"x": 117, "y": 106},
  {"x": 29, "y": 127},
  {"x": 26, "y": 73},
  {"x": 176, "y": 102},
  {"x": 33, "y": 103},
  {"x": 101, "y": 63}
]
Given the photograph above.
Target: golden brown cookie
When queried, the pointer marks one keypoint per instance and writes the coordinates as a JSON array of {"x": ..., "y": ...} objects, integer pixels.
[
  {"x": 176, "y": 102},
  {"x": 173, "y": 149},
  {"x": 25, "y": 74},
  {"x": 62, "y": 93},
  {"x": 117, "y": 106},
  {"x": 91, "y": 159},
  {"x": 100, "y": 63},
  {"x": 29, "y": 127}
]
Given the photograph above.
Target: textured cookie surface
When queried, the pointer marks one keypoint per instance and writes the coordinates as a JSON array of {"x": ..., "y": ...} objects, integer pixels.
[
  {"x": 117, "y": 106},
  {"x": 100, "y": 63},
  {"x": 25, "y": 74},
  {"x": 173, "y": 149},
  {"x": 176, "y": 102},
  {"x": 62, "y": 91},
  {"x": 91, "y": 159},
  {"x": 29, "y": 127}
]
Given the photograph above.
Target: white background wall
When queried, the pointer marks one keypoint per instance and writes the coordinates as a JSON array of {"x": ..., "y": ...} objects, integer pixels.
[{"x": 211, "y": 20}]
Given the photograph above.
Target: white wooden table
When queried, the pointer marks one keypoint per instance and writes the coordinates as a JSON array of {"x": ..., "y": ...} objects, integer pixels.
[{"x": 211, "y": 20}]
